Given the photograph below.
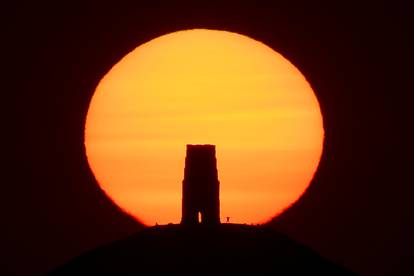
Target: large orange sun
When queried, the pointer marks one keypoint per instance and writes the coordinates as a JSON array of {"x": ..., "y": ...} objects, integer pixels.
[{"x": 204, "y": 87}]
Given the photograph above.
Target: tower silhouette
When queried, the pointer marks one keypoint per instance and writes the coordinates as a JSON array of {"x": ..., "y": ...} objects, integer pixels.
[{"x": 200, "y": 186}]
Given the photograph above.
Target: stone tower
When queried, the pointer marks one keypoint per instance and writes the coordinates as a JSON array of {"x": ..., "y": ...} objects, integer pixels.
[{"x": 200, "y": 186}]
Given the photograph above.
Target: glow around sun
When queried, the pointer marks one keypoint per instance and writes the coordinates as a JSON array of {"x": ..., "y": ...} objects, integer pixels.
[{"x": 204, "y": 87}]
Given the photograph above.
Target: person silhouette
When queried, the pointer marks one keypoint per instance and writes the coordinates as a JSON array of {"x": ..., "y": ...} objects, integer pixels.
[{"x": 227, "y": 219}]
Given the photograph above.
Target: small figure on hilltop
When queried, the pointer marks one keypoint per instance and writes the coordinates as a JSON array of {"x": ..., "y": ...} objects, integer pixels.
[{"x": 227, "y": 219}]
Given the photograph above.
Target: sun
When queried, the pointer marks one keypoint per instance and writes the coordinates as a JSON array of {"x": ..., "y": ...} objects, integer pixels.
[{"x": 204, "y": 87}]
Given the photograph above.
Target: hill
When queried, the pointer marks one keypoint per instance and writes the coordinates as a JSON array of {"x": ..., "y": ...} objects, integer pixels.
[{"x": 208, "y": 250}]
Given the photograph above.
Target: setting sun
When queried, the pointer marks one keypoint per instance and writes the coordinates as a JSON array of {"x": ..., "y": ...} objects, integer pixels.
[{"x": 204, "y": 87}]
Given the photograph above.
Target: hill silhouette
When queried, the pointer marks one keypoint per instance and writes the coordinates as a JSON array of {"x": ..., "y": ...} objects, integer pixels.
[{"x": 205, "y": 250}]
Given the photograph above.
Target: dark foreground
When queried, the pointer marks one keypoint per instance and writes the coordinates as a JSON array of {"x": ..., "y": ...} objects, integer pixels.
[{"x": 224, "y": 249}]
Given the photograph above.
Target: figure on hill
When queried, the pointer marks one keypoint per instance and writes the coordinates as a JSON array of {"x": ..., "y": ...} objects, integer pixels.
[{"x": 227, "y": 219}]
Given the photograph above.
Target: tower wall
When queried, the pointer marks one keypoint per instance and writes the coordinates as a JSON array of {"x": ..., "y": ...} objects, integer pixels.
[{"x": 200, "y": 186}]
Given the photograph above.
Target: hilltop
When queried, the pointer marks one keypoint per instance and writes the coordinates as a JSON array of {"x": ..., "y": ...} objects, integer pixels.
[{"x": 225, "y": 248}]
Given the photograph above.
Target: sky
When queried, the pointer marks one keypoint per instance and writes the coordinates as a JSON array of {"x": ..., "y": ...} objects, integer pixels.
[{"x": 356, "y": 210}]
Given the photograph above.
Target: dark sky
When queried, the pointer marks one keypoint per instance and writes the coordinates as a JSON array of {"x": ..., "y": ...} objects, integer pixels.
[{"x": 357, "y": 211}]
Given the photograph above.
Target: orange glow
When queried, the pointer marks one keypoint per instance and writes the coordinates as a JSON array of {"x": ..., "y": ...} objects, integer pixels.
[{"x": 204, "y": 87}]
